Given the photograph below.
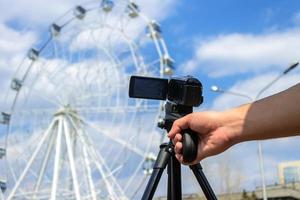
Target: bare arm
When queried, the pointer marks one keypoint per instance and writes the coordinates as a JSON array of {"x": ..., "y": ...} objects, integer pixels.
[{"x": 272, "y": 117}]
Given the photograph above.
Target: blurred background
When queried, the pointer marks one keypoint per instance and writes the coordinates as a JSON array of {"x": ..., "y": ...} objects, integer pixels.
[{"x": 242, "y": 48}]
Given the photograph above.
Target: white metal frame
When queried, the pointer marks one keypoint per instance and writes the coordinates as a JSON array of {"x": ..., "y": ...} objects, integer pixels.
[{"x": 59, "y": 136}]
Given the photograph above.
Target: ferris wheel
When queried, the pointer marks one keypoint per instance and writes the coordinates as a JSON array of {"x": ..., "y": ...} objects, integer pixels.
[{"x": 71, "y": 130}]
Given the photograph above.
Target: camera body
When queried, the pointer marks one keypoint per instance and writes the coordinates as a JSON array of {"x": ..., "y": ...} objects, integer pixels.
[
  {"x": 186, "y": 91},
  {"x": 182, "y": 94}
]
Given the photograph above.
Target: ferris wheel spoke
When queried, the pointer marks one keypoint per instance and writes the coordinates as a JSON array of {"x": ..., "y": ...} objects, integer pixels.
[
  {"x": 107, "y": 52},
  {"x": 115, "y": 63},
  {"x": 44, "y": 165},
  {"x": 71, "y": 159},
  {"x": 50, "y": 76},
  {"x": 130, "y": 109},
  {"x": 107, "y": 176},
  {"x": 132, "y": 48},
  {"x": 42, "y": 74},
  {"x": 43, "y": 97},
  {"x": 138, "y": 61},
  {"x": 18, "y": 163},
  {"x": 133, "y": 176},
  {"x": 56, "y": 170},
  {"x": 79, "y": 78},
  {"x": 61, "y": 74},
  {"x": 31, "y": 160},
  {"x": 142, "y": 182},
  {"x": 89, "y": 174},
  {"x": 153, "y": 63},
  {"x": 95, "y": 158},
  {"x": 139, "y": 167},
  {"x": 88, "y": 110},
  {"x": 117, "y": 22},
  {"x": 118, "y": 140},
  {"x": 36, "y": 112},
  {"x": 130, "y": 139},
  {"x": 1, "y": 196}
]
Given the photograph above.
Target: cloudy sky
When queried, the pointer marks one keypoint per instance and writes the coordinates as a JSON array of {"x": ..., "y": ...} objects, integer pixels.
[{"x": 238, "y": 45}]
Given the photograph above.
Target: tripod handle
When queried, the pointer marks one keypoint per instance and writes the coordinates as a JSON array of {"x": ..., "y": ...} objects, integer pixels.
[{"x": 189, "y": 145}]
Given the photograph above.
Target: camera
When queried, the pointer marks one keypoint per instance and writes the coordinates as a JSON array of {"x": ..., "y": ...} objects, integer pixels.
[
  {"x": 181, "y": 95},
  {"x": 186, "y": 91}
]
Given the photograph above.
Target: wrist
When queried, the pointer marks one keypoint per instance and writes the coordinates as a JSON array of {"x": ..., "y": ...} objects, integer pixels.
[{"x": 234, "y": 123}]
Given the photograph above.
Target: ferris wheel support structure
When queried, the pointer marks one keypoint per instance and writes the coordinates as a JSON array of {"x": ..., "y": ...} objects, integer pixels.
[
  {"x": 59, "y": 130},
  {"x": 95, "y": 131}
]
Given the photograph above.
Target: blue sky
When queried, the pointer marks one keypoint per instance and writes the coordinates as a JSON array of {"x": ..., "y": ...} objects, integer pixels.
[
  {"x": 240, "y": 46},
  {"x": 197, "y": 22},
  {"x": 237, "y": 45}
]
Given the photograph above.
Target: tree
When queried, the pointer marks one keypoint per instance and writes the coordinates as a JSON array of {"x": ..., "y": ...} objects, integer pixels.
[{"x": 245, "y": 196}]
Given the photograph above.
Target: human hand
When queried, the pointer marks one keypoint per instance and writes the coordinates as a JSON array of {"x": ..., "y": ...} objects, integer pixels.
[
  {"x": 272, "y": 117},
  {"x": 214, "y": 132}
]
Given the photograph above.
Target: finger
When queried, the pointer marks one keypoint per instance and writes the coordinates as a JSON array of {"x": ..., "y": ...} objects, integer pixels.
[
  {"x": 177, "y": 138},
  {"x": 178, "y": 148},
  {"x": 179, "y": 157},
  {"x": 179, "y": 125}
]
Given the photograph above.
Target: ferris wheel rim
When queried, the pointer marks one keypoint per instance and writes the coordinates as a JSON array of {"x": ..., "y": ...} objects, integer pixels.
[{"x": 158, "y": 43}]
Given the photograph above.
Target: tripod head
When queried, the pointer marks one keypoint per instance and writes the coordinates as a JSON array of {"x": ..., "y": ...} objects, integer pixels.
[
  {"x": 181, "y": 95},
  {"x": 189, "y": 138}
]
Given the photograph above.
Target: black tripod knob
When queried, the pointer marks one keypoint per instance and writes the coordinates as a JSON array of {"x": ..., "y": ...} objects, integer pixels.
[
  {"x": 161, "y": 123},
  {"x": 189, "y": 145}
]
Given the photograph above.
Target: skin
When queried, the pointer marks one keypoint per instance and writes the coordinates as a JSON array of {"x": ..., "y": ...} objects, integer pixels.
[{"x": 272, "y": 117}]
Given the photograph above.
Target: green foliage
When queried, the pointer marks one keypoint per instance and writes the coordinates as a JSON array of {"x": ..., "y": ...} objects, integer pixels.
[{"x": 245, "y": 196}]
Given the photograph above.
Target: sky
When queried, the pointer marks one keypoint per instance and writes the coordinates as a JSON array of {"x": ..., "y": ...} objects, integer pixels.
[{"x": 239, "y": 46}]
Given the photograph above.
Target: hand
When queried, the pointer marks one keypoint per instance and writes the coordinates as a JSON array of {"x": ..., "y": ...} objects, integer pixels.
[
  {"x": 214, "y": 136},
  {"x": 272, "y": 117}
]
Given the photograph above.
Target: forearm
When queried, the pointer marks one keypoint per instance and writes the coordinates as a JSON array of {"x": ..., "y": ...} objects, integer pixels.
[{"x": 271, "y": 117}]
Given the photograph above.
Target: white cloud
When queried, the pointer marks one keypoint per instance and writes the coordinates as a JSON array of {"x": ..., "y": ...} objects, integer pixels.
[
  {"x": 34, "y": 11},
  {"x": 157, "y": 9},
  {"x": 12, "y": 41},
  {"x": 239, "y": 53},
  {"x": 13, "y": 46},
  {"x": 117, "y": 30},
  {"x": 107, "y": 34},
  {"x": 39, "y": 12},
  {"x": 251, "y": 87},
  {"x": 15, "y": 43}
]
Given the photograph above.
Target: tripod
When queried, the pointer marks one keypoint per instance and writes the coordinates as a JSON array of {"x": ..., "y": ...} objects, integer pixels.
[{"x": 166, "y": 157}]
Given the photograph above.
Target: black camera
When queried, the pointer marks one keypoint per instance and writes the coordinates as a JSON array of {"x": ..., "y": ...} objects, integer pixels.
[
  {"x": 185, "y": 91},
  {"x": 182, "y": 94}
]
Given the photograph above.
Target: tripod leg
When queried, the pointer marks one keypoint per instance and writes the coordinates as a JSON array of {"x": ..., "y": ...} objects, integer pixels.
[
  {"x": 208, "y": 192},
  {"x": 159, "y": 166},
  {"x": 174, "y": 179}
]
